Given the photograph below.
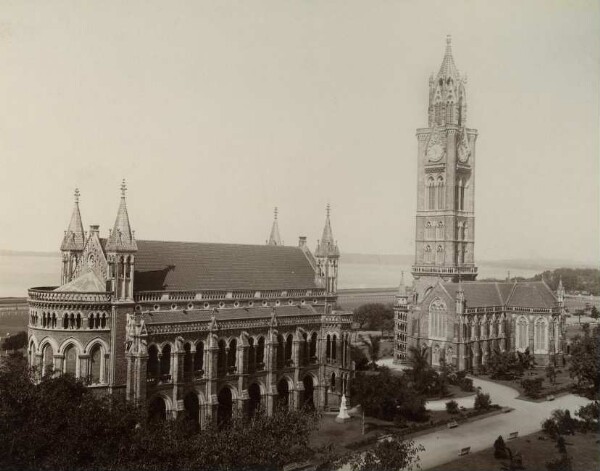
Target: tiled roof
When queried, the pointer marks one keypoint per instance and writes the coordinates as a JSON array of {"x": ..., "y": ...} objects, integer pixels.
[
  {"x": 477, "y": 293},
  {"x": 171, "y": 317},
  {"x": 529, "y": 294},
  {"x": 204, "y": 266},
  {"x": 534, "y": 294},
  {"x": 86, "y": 283}
]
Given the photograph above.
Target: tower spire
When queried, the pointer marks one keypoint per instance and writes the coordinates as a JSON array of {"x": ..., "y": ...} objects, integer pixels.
[
  {"x": 274, "y": 238},
  {"x": 121, "y": 238},
  {"x": 74, "y": 238},
  {"x": 448, "y": 68}
]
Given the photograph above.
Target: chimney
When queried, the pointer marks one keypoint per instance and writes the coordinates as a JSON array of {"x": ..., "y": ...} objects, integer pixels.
[
  {"x": 302, "y": 241},
  {"x": 94, "y": 228}
]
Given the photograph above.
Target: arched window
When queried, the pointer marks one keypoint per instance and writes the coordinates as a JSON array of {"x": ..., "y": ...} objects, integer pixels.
[
  {"x": 153, "y": 366},
  {"x": 165, "y": 361},
  {"x": 430, "y": 193},
  {"x": 70, "y": 365},
  {"x": 328, "y": 348},
  {"x": 522, "y": 334},
  {"x": 428, "y": 231},
  {"x": 199, "y": 357},
  {"x": 280, "y": 351},
  {"x": 541, "y": 335},
  {"x": 103, "y": 321},
  {"x": 428, "y": 254},
  {"x": 288, "y": 349},
  {"x": 251, "y": 355},
  {"x": 441, "y": 189},
  {"x": 78, "y": 321},
  {"x": 439, "y": 255},
  {"x": 187, "y": 359},
  {"x": 440, "y": 231},
  {"x": 438, "y": 319},
  {"x": 313, "y": 346},
  {"x": 260, "y": 354},
  {"x": 334, "y": 348},
  {"x": 47, "y": 359},
  {"x": 232, "y": 356},
  {"x": 65, "y": 321},
  {"x": 96, "y": 364},
  {"x": 222, "y": 358}
]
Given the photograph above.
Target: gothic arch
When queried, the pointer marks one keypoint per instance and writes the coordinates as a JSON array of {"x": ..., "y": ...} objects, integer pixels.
[
  {"x": 93, "y": 342},
  {"x": 71, "y": 341},
  {"x": 540, "y": 337},
  {"x": 438, "y": 313},
  {"x": 522, "y": 333}
]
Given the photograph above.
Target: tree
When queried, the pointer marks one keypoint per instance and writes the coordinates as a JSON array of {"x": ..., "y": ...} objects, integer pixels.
[
  {"x": 452, "y": 407},
  {"x": 589, "y": 416},
  {"x": 58, "y": 423},
  {"x": 532, "y": 387},
  {"x": 482, "y": 401},
  {"x": 504, "y": 365},
  {"x": 15, "y": 342},
  {"x": 373, "y": 345},
  {"x": 361, "y": 362},
  {"x": 561, "y": 444},
  {"x": 388, "y": 455},
  {"x": 422, "y": 374},
  {"x": 500, "y": 448},
  {"x": 372, "y": 316},
  {"x": 551, "y": 373},
  {"x": 585, "y": 361}
]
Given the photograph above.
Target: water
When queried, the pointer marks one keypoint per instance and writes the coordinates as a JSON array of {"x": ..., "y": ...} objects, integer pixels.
[{"x": 20, "y": 272}]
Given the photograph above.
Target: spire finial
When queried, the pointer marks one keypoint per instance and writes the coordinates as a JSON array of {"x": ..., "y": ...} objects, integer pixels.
[
  {"x": 448, "y": 39},
  {"x": 123, "y": 188},
  {"x": 77, "y": 194},
  {"x": 328, "y": 209},
  {"x": 275, "y": 212}
]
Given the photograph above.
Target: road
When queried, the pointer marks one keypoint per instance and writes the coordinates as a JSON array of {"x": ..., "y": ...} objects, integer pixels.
[{"x": 443, "y": 446}]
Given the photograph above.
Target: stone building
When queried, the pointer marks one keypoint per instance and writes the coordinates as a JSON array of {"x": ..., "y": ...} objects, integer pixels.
[
  {"x": 460, "y": 320},
  {"x": 202, "y": 329}
]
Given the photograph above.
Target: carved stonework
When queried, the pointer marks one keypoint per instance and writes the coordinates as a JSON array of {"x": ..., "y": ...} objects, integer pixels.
[
  {"x": 464, "y": 150},
  {"x": 93, "y": 259},
  {"x": 436, "y": 146}
]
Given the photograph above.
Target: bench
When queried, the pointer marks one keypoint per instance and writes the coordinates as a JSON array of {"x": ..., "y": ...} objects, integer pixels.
[
  {"x": 452, "y": 424},
  {"x": 464, "y": 451},
  {"x": 513, "y": 435}
]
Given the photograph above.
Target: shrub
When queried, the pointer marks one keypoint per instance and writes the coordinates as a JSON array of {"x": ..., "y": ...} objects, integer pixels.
[
  {"x": 532, "y": 387},
  {"x": 482, "y": 401},
  {"x": 466, "y": 384},
  {"x": 452, "y": 407},
  {"x": 500, "y": 448},
  {"x": 550, "y": 428},
  {"x": 589, "y": 416}
]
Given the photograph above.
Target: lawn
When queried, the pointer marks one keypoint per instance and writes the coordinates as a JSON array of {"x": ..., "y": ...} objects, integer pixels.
[
  {"x": 562, "y": 383},
  {"x": 536, "y": 449}
]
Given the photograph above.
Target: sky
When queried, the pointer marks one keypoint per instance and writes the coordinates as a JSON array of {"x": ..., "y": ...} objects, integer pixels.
[{"x": 217, "y": 111}]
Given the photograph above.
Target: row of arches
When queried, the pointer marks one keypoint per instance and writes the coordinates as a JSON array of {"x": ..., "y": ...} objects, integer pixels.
[
  {"x": 436, "y": 189},
  {"x": 89, "y": 363},
  {"x": 436, "y": 257},
  {"x": 229, "y": 356},
  {"x": 68, "y": 320},
  {"x": 194, "y": 404},
  {"x": 541, "y": 328},
  {"x": 434, "y": 230}
]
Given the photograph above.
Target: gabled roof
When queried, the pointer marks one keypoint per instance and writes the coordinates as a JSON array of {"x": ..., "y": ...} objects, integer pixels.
[
  {"x": 529, "y": 294},
  {"x": 532, "y": 294},
  {"x": 172, "y": 317},
  {"x": 86, "y": 283},
  {"x": 204, "y": 266}
]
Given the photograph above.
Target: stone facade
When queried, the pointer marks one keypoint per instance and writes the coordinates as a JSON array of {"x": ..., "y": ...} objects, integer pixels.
[
  {"x": 197, "y": 329},
  {"x": 461, "y": 321}
]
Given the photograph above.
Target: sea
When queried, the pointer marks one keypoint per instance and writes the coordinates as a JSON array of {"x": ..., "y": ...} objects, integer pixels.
[{"x": 18, "y": 272}]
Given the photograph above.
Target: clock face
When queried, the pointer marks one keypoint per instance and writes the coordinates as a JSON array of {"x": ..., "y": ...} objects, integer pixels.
[
  {"x": 436, "y": 147},
  {"x": 435, "y": 152}
]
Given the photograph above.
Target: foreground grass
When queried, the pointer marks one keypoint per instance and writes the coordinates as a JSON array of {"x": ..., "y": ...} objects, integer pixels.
[{"x": 584, "y": 449}]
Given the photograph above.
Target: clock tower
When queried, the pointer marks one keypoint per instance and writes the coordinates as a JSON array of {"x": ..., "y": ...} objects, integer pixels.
[{"x": 445, "y": 223}]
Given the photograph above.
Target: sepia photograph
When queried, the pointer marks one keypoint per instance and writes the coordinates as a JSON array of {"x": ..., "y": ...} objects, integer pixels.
[{"x": 300, "y": 235}]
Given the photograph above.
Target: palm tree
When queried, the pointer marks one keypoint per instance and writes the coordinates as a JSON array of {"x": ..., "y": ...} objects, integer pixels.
[{"x": 373, "y": 345}]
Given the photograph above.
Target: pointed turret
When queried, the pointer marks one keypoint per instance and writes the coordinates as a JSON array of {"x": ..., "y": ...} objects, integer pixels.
[
  {"x": 73, "y": 243},
  {"x": 460, "y": 298},
  {"x": 327, "y": 256},
  {"x": 120, "y": 249},
  {"x": 74, "y": 238},
  {"x": 402, "y": 286},
  {"x": 448, "y": 68},
  {"x": 274, "y": 238},
  {"x": 327, "y": 247},
  {"x": 122, "y": 238},
  {"x": 560, "y": 292}
]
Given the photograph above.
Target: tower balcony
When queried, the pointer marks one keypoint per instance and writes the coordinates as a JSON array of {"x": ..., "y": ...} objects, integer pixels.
[
  {"x": 443, "y": 271},
  {"x": 48, "y": 295}
]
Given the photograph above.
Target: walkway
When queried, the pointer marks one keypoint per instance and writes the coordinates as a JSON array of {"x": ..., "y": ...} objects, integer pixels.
[{"x": 443, "y": 445}]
